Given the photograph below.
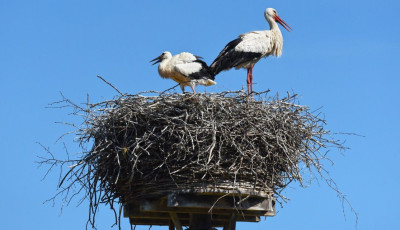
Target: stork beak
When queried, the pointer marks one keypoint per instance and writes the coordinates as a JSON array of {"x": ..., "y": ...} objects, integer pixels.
[
  {"x": 156, "y": 60},
  {"x": 283, "y": 23}
]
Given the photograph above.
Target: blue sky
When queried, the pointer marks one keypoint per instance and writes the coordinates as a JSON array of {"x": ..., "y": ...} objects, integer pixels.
[{"x": 341, "y": 56}]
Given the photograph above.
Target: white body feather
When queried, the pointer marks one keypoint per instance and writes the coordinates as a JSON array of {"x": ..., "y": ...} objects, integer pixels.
[{"x": 266, "y": 43}]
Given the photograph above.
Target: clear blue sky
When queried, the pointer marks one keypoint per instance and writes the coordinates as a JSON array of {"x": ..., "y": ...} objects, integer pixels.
[{"x": 342, "y": 56}]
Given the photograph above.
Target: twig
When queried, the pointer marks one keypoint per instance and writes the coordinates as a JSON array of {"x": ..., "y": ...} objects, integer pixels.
[{"x": 110, "y": 85}]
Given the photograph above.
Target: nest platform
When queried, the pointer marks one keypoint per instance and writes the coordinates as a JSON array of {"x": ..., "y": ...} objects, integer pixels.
[{"x": 201, "y": 209}]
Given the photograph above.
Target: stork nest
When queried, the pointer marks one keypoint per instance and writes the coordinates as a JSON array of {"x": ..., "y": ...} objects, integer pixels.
[{"x": 145, "y": 145}]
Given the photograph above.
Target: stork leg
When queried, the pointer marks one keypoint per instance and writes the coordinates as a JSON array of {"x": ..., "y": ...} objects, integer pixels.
[
  {"x": 191, "y": 86},
  {"x": 248, "y": 80},
  {"x": 251, "y": 79},
  {"x": 182, "y": 88}
]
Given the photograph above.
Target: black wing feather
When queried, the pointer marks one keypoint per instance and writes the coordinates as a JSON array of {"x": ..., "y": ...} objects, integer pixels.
[
  {"x": 204, "y": 72},
  {"x": 229, "y": 58}
]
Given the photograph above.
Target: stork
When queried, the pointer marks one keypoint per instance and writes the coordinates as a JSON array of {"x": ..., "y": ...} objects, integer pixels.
[
  {"x": 184, "y": 68},
  {"x": 249, "y": 48}
]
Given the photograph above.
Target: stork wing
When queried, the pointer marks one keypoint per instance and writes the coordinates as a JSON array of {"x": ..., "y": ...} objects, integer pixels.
[
  {"x": 247, "y": 48},
  {"x": 221, "y": 62},
  {"x": 255, "y": 42},
  {"x": 195, "y": 70},
  {"x": 186, "y": 69},
  {"x": 243, "y": 39}
]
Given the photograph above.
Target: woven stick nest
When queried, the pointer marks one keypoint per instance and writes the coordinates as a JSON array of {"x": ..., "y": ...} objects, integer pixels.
[{"x": 146, "y": 145}]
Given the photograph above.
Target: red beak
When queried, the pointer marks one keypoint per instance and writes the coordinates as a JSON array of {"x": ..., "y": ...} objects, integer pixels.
[{"x": 283, "y": 23}]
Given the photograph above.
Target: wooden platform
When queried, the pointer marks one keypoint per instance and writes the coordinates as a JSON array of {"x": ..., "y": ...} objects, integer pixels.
[{"x": 185, "y": 207}]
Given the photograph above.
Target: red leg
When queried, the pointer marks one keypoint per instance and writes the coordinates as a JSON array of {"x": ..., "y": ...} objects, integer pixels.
[
  {"x": 251, "y": 78},
  {"x": 248, "y": 80}
]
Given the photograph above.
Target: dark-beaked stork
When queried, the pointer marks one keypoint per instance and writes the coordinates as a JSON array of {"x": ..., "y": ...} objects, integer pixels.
[
  {"x": 184, "y": 68},
  {"x": 249, "y": 48}
]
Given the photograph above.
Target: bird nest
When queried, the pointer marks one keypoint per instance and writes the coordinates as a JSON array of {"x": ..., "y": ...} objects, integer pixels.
[{"x": 146, "y": 145}]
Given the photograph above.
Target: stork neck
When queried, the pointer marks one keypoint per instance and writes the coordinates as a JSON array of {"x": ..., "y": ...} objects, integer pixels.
[{"x": 272, "y": 24}]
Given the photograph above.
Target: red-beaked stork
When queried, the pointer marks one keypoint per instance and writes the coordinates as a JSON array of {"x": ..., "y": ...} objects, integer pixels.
[
  {"x": 184, "y": 68},
  {"x": 249, "y": 48}
]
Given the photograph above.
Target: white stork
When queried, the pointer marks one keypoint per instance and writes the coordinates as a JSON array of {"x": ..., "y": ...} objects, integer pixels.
[
  {"x": 249, "y": 48},
  {"x": 184, "y": 68}
]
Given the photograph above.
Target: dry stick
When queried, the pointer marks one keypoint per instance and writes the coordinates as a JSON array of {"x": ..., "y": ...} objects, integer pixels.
[{"x": 108, "y": 83}]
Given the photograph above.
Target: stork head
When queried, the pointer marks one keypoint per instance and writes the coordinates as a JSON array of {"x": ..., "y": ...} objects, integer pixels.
[
  {"x": 163, "y": 56},
  {"x": 270, "y": 13}
]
